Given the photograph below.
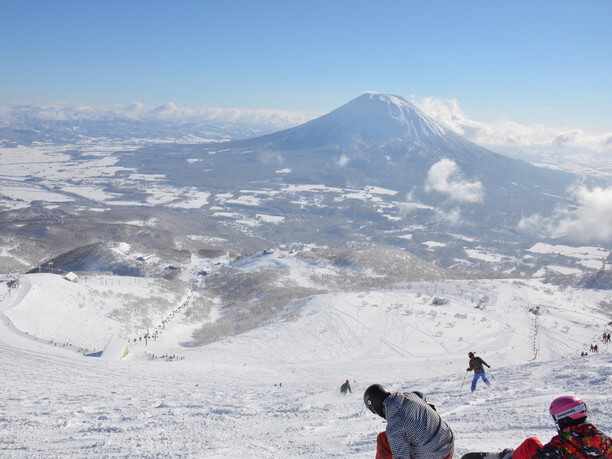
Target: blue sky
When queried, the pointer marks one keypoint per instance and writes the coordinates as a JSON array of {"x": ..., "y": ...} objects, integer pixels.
[{"x": 544, "y": 62}]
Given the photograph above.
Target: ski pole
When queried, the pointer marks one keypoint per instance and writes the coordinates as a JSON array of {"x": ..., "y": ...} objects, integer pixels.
[{"x": 463, "y": 382}]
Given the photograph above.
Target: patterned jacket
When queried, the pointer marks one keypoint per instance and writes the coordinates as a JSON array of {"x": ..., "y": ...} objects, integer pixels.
[
  {"x": 415, "y": 429},
  {"x": 577, "y": 442},
  {"x": 476, "y": 364}
]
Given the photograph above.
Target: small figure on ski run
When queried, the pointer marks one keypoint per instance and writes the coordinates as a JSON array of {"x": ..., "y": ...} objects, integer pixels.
[
  {"x": 476, "y": 364},
  {"x": 414, "y": 428},
  {"x": 346, "y": 387},
  {"x": 576, "y": 439}
]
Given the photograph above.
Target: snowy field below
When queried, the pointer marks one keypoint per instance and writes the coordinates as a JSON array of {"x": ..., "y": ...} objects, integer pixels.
[{"x": 274, "y": 391}]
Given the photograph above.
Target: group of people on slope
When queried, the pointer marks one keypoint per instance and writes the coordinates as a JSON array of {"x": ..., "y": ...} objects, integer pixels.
[{"x": 415, "y": 430}]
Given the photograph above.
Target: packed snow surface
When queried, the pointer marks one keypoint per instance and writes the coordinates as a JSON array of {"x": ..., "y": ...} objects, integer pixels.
[{"x": 274, "y": 391}]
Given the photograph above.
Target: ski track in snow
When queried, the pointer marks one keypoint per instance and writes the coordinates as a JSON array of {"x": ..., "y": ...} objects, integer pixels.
[{"x": 225, "y": 399}]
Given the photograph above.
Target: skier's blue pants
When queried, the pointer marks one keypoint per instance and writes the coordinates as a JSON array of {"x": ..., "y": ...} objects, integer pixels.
[{"x": 475, "y": 380}]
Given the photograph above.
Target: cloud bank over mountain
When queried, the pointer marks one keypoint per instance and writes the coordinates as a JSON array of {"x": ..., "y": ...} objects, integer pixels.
[
  {"x": 277, "y": 119},
  {"x": 510, "y": 133}
]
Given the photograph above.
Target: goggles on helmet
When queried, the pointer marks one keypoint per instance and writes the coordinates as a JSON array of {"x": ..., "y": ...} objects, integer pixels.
[{"x": 565, "y": 413}]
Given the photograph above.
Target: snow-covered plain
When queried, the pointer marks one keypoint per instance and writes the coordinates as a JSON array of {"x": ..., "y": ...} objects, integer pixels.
[{"x": 274, "y": 391}]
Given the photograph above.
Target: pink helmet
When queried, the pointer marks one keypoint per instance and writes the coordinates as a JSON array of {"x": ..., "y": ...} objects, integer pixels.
[{"x": 567, "y": 406}]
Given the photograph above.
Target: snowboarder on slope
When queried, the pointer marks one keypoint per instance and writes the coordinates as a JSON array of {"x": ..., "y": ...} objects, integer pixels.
[
  {"x": 414, "y": 428},
  {"x": 476, "y": 364},
  {"x": 346, "y": 387},
  {"x": 576, "y": 439}
]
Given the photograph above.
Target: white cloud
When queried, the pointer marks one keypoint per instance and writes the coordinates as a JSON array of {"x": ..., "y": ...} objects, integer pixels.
[
  {"x": 590, "y": 220},
  {"x": 169, "y": 110},
  {"x": 451, "y": 217},
  {"x": 269, "y": 157},
  {"x": 342, "y": 161},
  {"x": 445, "y": 177},
  {"x": 5, "y": 114},
  {"x": 505, "y": 132}
]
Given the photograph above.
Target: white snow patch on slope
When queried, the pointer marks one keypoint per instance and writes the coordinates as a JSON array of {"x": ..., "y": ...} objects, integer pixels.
[
  {"x": 191, "y": 199},
  {"x": 484, "y": 256},
  {"x": 379, "y": 190},
  {"x": 591, "y": 257},
  {"x": 433, "y": 244},
  {"x": 245, "y": 200},
  {"x": 564, "y": 269},
  {"x": 90, "y": 192},
  {"x": 148, "y": 177},
  {"x": 29, "y": 193},
  {"x": 87, "y": 313},
  {"x": 270, "y": 218}
]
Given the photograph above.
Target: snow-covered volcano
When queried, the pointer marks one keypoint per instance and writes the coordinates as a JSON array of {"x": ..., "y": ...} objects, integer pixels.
[
  {"x": 375, "y": 139},
  {"x": 371, "y": 121}
]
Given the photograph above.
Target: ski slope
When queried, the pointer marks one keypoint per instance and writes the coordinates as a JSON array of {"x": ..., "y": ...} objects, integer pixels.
[{"x": 274, "y": 391}]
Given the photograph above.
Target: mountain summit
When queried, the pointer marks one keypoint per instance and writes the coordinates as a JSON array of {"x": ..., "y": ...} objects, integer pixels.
[{"x": 370, "y": 121}]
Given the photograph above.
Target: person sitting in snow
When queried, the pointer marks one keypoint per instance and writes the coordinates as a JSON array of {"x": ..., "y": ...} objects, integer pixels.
[
  {"x": 576, "y": 439},
  {"x": 346, "y": 387},
  {"x": 476, "y": 364},
  {"x": 414, "y": 428}
]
